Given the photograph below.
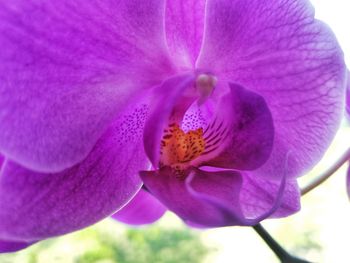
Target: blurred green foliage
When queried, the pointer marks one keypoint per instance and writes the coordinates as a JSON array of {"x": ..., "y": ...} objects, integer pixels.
[
  {"x": 147, "y": 245},
  {"x": 115, "y": 243}
]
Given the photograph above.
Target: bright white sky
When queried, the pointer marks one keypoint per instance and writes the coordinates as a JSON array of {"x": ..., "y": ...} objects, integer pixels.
[{"x": 336, "y": 13}]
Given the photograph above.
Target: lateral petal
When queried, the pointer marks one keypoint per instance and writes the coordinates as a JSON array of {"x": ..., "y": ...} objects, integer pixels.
[
  {"x": 68, "y": 68},
  {"x": 35, "y": 206},
  {"x": 277, "y": 49}
]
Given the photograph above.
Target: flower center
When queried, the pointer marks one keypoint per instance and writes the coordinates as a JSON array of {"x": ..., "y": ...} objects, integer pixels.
[
  {"x": 178, "y": 148},
  {"x": 181, "y": 149}
]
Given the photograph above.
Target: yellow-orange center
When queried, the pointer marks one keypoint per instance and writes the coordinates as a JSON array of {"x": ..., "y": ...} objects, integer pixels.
[{"x": 179, "y": 148}]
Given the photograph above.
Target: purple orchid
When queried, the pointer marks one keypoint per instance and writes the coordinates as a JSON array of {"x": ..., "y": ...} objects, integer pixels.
[{"x": 218, "y": 105}]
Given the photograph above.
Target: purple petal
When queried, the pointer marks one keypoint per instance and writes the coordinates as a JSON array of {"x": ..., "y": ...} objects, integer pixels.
[
  {"x": 250, "y": 132},
  {"x": 277, "y": 49},
  {"x": 8, "y": 246},
  {"x": 166, "y": 97},
  {"x": 205, "y": 198},
  {"x": 142, "y": 209},
  {"x": 184, "y": 26},
  {"x": 67, "y": 68},
  {"x": 172, "y": 192},
  {"x": 35, "y": 206},
  {"x": 257, "y": 194}
]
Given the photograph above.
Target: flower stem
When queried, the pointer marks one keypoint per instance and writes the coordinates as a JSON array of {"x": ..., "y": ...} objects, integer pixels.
[
  {"x": 279, "y": 251},
  {"x": 324, "y": 176}
]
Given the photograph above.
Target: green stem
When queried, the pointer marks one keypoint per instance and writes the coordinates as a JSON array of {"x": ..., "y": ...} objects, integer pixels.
[
  {"x": 279, "y": 251},
  {"x": 324, "y": 176}
]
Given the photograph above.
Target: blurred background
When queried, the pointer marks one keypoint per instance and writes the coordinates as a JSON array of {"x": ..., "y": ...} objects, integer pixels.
[{"x": 319, "y": 233}]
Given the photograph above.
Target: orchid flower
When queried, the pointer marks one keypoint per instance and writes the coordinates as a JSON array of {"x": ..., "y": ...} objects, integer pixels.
[{"x": 214, "y": 106}]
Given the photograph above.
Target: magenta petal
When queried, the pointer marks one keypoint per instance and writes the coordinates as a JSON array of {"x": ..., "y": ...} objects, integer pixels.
[
  {"x": 207, "y": 199},
  {"x": 173, "y": 193},
  {"x": 35, "y": 206},
  {"x": 184, "y": 26},
  {"x": 257, "y": 195},
  {"x": 66, "y": 70},
  {"x": 278, "y": 49},
  {"x": 166, "y": 96},
  {"x": 233, "y": 215},
  {"x": 8, "y": 246},
  {"x": 142, "y": 209},
  {"x": 250, "y": 130}
]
